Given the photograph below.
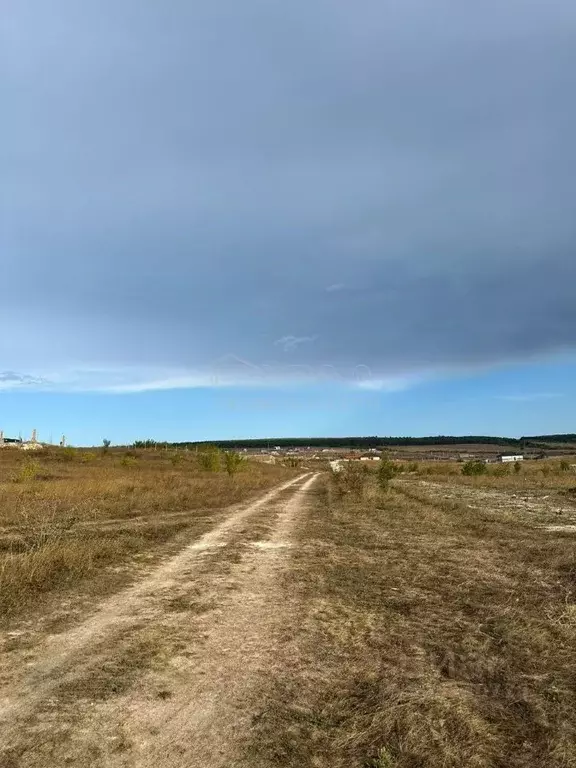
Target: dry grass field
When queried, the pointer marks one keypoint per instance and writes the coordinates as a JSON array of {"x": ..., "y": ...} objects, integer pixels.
[
  {"x": 331, "y": 622},
  {"x": 434, "y": 626},
  {"x": 70, "y": 517}
]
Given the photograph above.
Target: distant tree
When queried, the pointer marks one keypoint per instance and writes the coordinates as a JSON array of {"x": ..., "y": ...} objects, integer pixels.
[
  {"x": 144, "y": 444},
  {"x": 105, "y": 445}
]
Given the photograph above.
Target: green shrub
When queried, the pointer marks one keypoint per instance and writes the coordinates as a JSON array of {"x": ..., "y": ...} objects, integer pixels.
[
  {"x": 384, "y": 760},
  {"x": 386, "y": 472},
  {"x": 67, "y": 454},
  {"x": 232, "y": 462},
  {"x": 356, "y": 483},
  {"x": 209, "y": 459},
  {"x": 29, "y": 471},
  {"x": 353, "y": 479},
  {"x": 474, "y": 467}
]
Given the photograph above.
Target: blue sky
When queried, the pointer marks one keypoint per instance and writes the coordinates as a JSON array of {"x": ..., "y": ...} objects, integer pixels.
[
  {"x": 242, "y": 219},
  {"x": 511, "y": 401}
]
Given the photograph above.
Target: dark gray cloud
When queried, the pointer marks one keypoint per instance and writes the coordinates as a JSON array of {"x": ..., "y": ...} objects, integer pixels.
[{"x": 379, "y": 185}]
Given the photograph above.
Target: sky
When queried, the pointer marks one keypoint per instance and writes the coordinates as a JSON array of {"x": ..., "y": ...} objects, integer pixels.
[{"x": 223, "y": 219}]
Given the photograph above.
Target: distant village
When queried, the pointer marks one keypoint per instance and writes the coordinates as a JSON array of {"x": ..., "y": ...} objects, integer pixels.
[
  {"x": 33, "y": 444},
  {"x": 337, "y": 456},
  {"x": 273, "y": 453}
]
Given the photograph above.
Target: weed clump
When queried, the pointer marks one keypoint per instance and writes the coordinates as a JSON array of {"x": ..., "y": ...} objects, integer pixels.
[
  {"x": 386, "y": 472},
  {"x": 210, "y": 459},
  {"x": 28, "y": 472}
]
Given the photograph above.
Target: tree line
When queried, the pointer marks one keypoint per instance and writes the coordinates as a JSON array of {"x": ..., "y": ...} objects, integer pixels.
[{"x": 365, "y": 443}]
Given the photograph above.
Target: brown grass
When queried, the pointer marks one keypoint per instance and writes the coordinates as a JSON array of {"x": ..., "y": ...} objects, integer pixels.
[
  {"x": 544, "y": 475},
  {"x": 64, "y": 515},
  {"x": 425, "y": 634}
]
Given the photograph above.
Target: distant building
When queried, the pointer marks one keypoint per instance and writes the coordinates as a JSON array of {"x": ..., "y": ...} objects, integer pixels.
[
  {"x": 11, "y": 442},
  {"x": 25, "y": 445},
  {"x": 505, "y": 459}
]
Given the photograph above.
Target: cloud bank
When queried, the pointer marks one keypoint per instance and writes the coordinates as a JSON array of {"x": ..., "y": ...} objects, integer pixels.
[{"x": 306, "y": 187}]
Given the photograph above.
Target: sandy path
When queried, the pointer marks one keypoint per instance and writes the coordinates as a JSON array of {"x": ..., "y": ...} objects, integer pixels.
[{"x": 159, "y": 674}]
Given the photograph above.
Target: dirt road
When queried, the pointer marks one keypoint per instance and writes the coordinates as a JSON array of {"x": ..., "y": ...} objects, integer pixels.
[{"x": 160, "y": 674}]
